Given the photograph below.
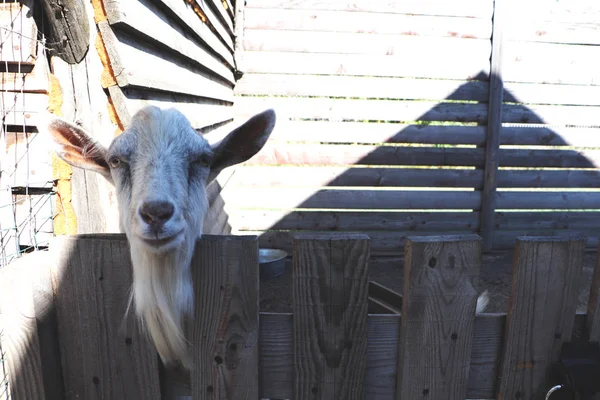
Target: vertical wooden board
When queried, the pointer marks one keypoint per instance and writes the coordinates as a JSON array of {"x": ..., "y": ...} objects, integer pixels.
[
  {"x": 541, "y": 312},
  {"x": 276, "y": 356},
  {"x": 593, "y": 311},
  {"x": 382, "y": 359},
  {"x": 104, "y": 353},
  {"x": 225, "y": 328},
  {"x": 330, "y": 301},
  {"x": 441, "y": 278},
  {"x": 18, "y": 32},
  {"x": 19, "y": 330}
]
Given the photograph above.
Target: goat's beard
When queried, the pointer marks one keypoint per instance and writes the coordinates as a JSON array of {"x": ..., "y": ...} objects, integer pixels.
[{"x": 163, "y": 296}]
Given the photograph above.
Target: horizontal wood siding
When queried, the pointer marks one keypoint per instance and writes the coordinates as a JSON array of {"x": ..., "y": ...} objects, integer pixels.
[
  {"x": 383, "y": 106},
  {"x": 173, "y": 53}
]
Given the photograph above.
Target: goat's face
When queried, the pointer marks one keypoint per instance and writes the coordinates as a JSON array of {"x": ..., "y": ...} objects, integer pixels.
[{"x": 160, "y": 167}]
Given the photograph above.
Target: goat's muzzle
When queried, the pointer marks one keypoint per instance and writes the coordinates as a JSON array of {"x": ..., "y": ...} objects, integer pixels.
[{"x": 156, "y": 213}]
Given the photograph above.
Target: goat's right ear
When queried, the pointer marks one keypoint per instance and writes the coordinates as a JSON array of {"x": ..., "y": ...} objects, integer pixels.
[{"x": 76, "y": 146}]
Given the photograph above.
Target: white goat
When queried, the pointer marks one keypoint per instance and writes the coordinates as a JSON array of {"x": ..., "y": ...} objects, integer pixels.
[{"x": 160, "y": 167}]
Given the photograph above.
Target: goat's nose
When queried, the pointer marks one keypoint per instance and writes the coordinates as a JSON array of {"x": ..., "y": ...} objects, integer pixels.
[{"x": 156, "y": 212}]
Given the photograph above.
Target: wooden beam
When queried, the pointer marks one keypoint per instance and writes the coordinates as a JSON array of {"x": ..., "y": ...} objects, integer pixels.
[
  {"x": 68, "y": 30},
  {"x": 494, "y": 126},
  {"x": 224, "y": 332},
  {"x": 441, "y": 276},
  {"x": 330, "y": 300},
  {"x": 541, "y": 313}
]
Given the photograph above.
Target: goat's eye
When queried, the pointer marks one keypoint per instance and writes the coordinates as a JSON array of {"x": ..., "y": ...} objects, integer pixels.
[{"x": 115, "y": 162}]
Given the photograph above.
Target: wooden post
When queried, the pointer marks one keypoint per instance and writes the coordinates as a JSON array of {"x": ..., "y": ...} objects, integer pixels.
[
  {"x": 68, "y": 31},
  {"x": 103, "y": 351},
  {"x": 441, "y": 277},
  {"x": 225, "y": 327},
  {"x": 238, "y": 32},
  {"x": 494, "y": 126},
  {"x": 541, "y": 313},
  {"x": 330, "y": 300}
]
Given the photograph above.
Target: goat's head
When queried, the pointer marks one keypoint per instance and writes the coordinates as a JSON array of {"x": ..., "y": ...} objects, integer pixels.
[{"x": 160, "y": 168}]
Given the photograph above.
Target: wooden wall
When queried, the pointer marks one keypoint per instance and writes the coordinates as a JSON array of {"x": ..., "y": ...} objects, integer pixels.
[{"x": 385, "y": 111}]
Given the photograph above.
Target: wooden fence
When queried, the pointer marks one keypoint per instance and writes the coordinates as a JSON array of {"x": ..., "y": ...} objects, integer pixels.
[
  {"x": 66, "y": 336},
  {"x": 421, "y": 116}
]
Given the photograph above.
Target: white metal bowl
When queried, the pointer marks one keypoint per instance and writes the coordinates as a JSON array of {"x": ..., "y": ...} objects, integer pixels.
[{"x": 271, "y": 262}]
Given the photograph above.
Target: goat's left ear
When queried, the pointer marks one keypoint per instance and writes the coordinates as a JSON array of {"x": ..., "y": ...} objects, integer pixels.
[
  {"x": 76, "y": 146},
  {"x": 243, "y": 142}
]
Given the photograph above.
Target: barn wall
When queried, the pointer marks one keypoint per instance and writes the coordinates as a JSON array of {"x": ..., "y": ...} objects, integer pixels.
[{"x": 383, "y": 112}]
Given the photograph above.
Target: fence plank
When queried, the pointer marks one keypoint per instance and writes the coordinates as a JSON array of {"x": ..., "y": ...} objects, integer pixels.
[
  {"x": 18, "y": 33},
  {"x": 460, "y": 8},
  {"x": 361, "y": 87},
  {"x": 494, "y": 127},
  {"x": 330, "y": 299},
  {"x": 360, "y": 43},
  {"x": 366, "y": 22},
  {"x": 541, "y": 310},
  {"x": 225, "y": 328},
  {"x": 145, "y": 17},
  {"x": 535, "y": 93},
  {"x": 439, "y": 300},
  {"x": 469, "y": 66},
  {"x": 593, "y": 311},
  {"x": 20, "y": 341},
  {"x": 92, "y": 293}
]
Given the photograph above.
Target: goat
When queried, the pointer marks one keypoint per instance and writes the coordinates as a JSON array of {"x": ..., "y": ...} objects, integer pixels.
[{"x": 160, "y": 167}]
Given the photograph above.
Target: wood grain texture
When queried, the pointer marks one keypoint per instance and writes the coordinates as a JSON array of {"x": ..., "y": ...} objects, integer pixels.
[
  {"x": 130, "y": 60},
  {"x": 535, "y": 93},
  {"x": 276, "y": 361},
  {"x": 104, "y": 353},
  {"x": 360, "y": 87},
  {"x": 593, "y": 311},
  {"x": 19, "y": 336},
  {"x": 366, "y": 22},
  {"x": 441, "y": 279},
  {"x": 330, "y": 291},
  {"x": 68, "y": 31},
  {"x": 359, "y": 43},
  {"x": 461, "y": 8},
  {"x": 147, "y": 18},
  {"x": 541, "y": 313},
  {"x": 494, "y": 127},
  {"x": 471, "y": 66},
  {"x": 224, "y": 332}
]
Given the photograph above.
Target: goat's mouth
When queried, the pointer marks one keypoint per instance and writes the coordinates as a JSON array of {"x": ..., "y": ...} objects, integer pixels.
[{"x": 161, "y": 242}]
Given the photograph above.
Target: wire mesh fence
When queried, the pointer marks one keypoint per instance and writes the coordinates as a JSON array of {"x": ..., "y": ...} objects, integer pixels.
[{"x": 26, "y": 183}]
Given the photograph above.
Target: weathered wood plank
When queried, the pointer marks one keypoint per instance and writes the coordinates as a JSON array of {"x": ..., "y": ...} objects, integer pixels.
[
  {"x": 371, "y": 133},
  {"x": 67, "y": 30},
  {"x": 205, "y": 13},
  {"x": 541, "y": 309},
  {"x": 505, "y": 240},
  {"x": 199, "y": 111},
  {"x": 22, "y": 109},
  {"x": 548, "y": 200},
  {"x": 26, "y": 160},
  {"x": 317, "y": 176},
  {"x": 225, "y": 326},
  {"x": 441, "y": 279},
  {"x": 180, "y": 11},
  {"x": 530, "y": 220},
  {"x": 494, "y": 126},
  {"x": 256, "y": 220},
  {"x": 361, "y": 87},
  {"x": 593, "y": 309},
  {"x": 469, "y": 66},
  {"x": 366, "y": 22},
  {"x": 19, "y": 337},
  {"x": 27, "y": 80},
  {"x": 461, "y": 8},
  {"x": 552, "y": 93},
  {"x": 146, "y": 17},
  {"x": 330, "y": 299},
  {"x": 358, "y": 110},
  {"x": 328, "y": 154},
  {"x": 218, "y": 6},
  {"x": 551, "y": 114},
  {"x": 239, "y": 18},
  {"x": 277, "y": 360},
  {"x": 18, "y": 33},
  {"x": 139, "y": 64},
  {"x": 360, "y": 43},
  {"x": 92, "y": 293},
  {"x": 287, "y": 198}
]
